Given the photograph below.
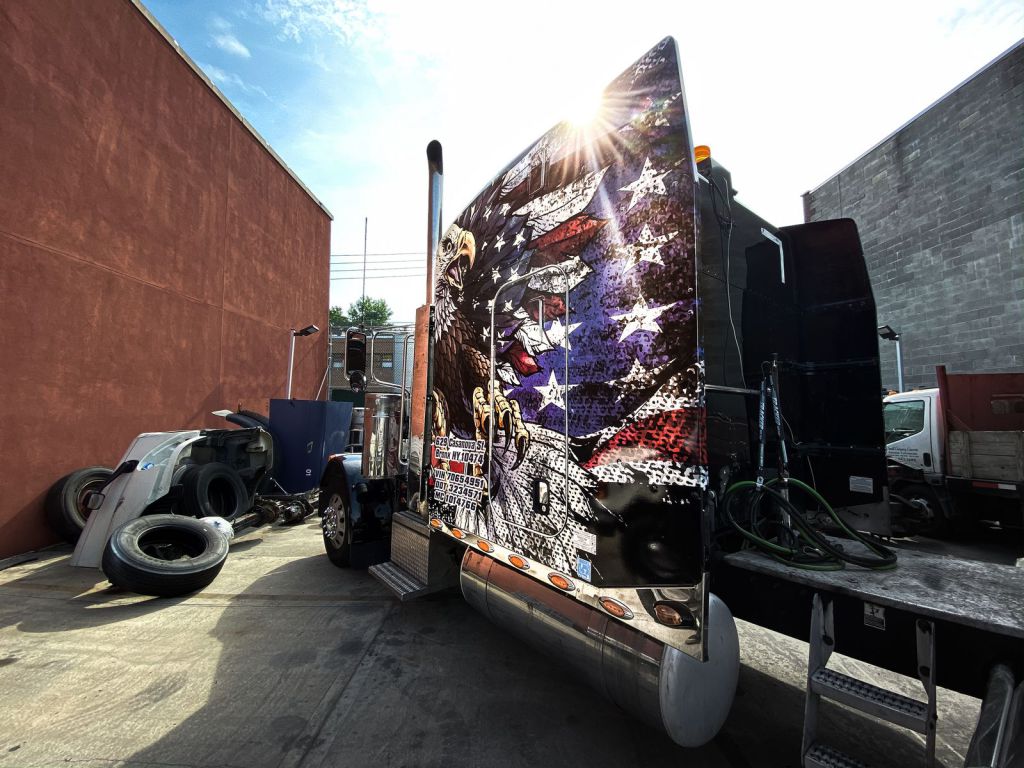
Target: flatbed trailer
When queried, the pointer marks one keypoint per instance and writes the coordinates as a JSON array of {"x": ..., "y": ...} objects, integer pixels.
[{"x": 977, "y": 609}]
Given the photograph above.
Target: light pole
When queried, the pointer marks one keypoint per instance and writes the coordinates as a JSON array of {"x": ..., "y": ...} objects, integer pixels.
[
  {"x": 886, "y": 332},
  {"x": 309, "y": 330}
]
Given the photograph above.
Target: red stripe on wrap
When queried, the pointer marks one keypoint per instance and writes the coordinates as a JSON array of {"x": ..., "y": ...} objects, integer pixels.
[{"x": 667, "y": 436}]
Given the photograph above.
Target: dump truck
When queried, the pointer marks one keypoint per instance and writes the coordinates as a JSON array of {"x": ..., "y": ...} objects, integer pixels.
[
  {"x": 956, "y": 451},
  {"x": 639, "y": 411}
]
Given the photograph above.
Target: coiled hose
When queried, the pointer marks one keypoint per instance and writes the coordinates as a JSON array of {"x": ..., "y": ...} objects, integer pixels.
[{"x": 798, "y": 544}]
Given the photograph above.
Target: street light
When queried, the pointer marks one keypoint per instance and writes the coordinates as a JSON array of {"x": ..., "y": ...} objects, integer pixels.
[
  {"x": 309, "y": 330},
  {"x": 886, "y": 332}
]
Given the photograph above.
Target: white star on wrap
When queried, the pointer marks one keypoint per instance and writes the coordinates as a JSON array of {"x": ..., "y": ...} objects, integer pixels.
[
  {"x": 487, "y": 212},
  {"x": 520, "y": 238},
  {"x": 649, "y": 182},
  {"x": 486, "y": 334},
  {"x": 558, "y": 334},
  {"x": 553, "y": 393},
  {"x": 646, "y": 248},
  {"x": 505, "y": 208},
  {"x": 507, "y": 307},
  {"x": 513, "y": 273},
  {"x": 638, "y": 378},
  {"x": 642, "y": 318},
  {"x": 500, "y": 242},
  {"x": 496, "y": 274}
]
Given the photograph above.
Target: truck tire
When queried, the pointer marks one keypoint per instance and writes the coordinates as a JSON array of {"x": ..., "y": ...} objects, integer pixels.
[
  {"x": 213, "y": 490},
  {"x": 937, "y": 523},
  {"x": 65, "y": 502},
  {"x": 334, "y": 522},
  {"x": 164, "y": 555}
]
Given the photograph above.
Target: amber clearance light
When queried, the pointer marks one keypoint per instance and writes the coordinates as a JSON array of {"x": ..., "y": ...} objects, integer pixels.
[
  {"x": 667, "y": 615},
  {"x": 518, "y": 562},
  {"x": 485, "y": 545},
  {"x": 615, "y": 608},
  {"x": 458, "y": 534},
  {"x": 561, "y": 582},
  {"x": 435, "y": 523},
  {"x": 701, "y": 152}
]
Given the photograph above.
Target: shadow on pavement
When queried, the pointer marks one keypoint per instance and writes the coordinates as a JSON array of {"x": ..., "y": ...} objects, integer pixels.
[{"x": 431, "y": 683}]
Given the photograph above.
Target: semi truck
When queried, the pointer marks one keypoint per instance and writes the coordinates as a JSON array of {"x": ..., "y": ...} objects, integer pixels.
[
  {"x": 956, "y": 451},
  {"x": 639, "y": 411}
]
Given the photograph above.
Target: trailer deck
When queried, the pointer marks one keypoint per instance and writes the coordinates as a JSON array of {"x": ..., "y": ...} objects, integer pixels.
[{"x": 977, "y": 607}]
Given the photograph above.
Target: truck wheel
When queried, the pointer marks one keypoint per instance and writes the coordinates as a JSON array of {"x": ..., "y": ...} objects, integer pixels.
[
  {"x": 333, "y": 508},
  {"x": 65, "y": 503},
  {"x": 934, "y": 523},
  {"x": 164, "y": 555},
  {"x": 213, "y": 490}
]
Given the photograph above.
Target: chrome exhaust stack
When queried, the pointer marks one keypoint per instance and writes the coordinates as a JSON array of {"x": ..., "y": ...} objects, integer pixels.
[
  {"x": 656, "y": 683},
  {"x": 422, "y": 371},
  {"x": 435, "y": 171}
]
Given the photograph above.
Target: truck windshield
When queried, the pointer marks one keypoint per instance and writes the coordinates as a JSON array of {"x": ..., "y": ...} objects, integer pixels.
[{"x": 903, "y": 419}]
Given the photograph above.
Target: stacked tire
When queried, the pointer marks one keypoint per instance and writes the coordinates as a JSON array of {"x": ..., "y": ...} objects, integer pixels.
[
  {"x": 168, "y": 555},
  {"x": 65, "y": 507},
  {"x": 164, "y": 555}
]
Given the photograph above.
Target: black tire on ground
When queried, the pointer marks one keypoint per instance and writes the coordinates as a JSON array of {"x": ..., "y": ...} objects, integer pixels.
[
  {"x": 334, "y": 523},
  {"x": 164, "y": 555},
  {"x": 65, "y": 503},
  {"x": 213, "y": 489}
]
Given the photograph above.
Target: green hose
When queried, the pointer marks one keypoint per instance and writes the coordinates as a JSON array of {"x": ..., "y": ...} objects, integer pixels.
[{"x": 816, "y": 553}]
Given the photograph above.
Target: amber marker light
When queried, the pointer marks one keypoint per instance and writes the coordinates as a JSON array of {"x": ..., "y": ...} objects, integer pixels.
[
  {"x": 458, "y": 534},
  {"x": 518, "y": 562},
  {"x": 561, "y": 582},
  {"x": 485, "y": 545},
  {"x": 701, "y": 153},
  {"x": 667, "y": 615},
  {"x": 435, "y": 523},
  {"x": 615, "y": 608}
]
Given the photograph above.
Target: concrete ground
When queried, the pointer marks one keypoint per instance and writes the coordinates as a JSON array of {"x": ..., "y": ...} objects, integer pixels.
[{"x": 287, "y": 661}]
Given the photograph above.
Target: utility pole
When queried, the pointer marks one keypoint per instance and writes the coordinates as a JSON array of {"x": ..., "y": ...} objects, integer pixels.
[{"x": 366, "y": 229}]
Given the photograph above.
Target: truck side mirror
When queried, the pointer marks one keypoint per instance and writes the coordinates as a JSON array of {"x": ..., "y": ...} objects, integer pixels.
[{"x": 355, "y": 360}]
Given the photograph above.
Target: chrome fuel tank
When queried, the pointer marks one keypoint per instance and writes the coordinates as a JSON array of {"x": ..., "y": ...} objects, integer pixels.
[{"x": 658, "y": 684}]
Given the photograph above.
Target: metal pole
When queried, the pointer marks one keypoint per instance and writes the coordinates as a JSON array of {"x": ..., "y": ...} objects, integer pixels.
[
  {"x": 435, "y": 173},
  {"x": 366, "y": 230},
  {"x": 291, "y": 362},
  {"x": 899, "y": 364}
]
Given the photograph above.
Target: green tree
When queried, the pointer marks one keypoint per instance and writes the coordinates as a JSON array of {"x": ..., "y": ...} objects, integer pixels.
[
  {"x": 338, "y": 318},
  {"x": 364, "y": 311}
]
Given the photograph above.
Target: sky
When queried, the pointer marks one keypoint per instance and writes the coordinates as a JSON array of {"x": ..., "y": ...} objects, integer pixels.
[{"x": 349, "y": 93}]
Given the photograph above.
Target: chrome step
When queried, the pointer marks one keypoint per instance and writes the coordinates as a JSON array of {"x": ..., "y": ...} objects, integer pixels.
[
  {"x": 862, "y": 696},
  {"x": 870, "y": 699},
  {"x": 823, "y": 756},
  {"x": 403, "y": 584}
]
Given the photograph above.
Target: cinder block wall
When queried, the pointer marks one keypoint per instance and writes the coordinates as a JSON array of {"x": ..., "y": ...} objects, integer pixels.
[
  {"x": 153, "y": 253},
  {"x": 940, "y": 209}
]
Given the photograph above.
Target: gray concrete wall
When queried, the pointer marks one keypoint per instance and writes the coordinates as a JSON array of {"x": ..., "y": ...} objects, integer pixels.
[{"x": 940, "y": 209}]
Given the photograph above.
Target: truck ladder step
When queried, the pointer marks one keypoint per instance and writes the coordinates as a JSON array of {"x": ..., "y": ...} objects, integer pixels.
[
  {"x": 823, "y": 756},
  {"x": 401, "y": 582},
  {"x": 870, "y": 699}
]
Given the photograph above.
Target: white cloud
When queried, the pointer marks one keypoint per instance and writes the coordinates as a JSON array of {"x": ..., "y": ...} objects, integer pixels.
[
  {"x": 227, "y": 80},
  {"x": 219, "y": 23},
  {"x": 345, "y": 19},
  {"x": 228, "y": 43}
]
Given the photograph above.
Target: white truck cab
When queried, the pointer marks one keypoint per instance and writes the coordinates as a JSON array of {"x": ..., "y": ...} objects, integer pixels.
[{"x": 914, "y": 430}]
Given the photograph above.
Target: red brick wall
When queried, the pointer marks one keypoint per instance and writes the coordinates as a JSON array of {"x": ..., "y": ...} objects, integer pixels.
[{"x": 153, "y": 255}]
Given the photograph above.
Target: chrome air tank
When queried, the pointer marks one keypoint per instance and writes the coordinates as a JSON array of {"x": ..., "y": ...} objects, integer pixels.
[{"x": 657, "y": 683}]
